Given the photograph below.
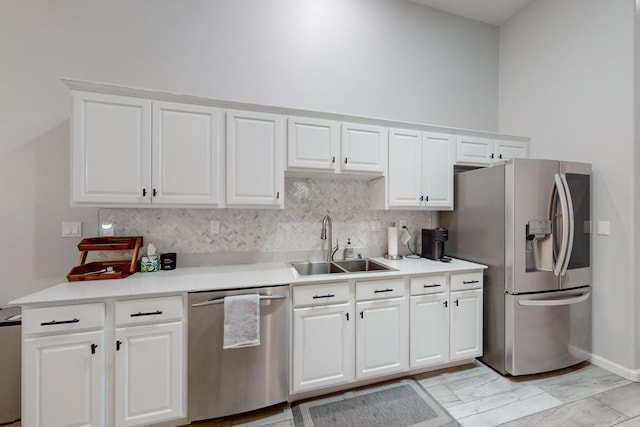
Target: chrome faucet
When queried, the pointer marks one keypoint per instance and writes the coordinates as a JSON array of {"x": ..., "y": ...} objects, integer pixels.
[{"x": 326, "y": 223}]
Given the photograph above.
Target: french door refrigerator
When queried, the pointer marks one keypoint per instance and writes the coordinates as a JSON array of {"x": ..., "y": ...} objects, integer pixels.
[{"x": 529, "y": 221}]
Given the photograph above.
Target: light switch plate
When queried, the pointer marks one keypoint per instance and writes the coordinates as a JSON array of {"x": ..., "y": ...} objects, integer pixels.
[
  {"x": 604, "y": 228},
  {"x": 71, "y": 229}
]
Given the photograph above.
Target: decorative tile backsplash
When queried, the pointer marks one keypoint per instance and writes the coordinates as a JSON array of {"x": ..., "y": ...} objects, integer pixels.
[{"x": 264, "y": 235}]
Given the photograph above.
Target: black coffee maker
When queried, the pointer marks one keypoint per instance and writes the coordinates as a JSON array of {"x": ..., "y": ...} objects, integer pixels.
[{"x": 433, "y": 243}]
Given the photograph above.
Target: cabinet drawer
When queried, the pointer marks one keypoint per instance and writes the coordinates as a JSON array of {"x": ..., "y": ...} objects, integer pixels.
[
  {"x": 148, "y": 310},
  {"x": 428, "y": 285},
  {"x": 463, "y": 281},
  {"x": 379, "y": 289},
  {"x": 63, "y": 318},
  {"x": 326, "y": 293}
]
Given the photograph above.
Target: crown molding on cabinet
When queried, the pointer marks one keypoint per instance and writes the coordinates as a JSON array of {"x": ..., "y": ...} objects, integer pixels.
[{"x": 108, "y": 88}]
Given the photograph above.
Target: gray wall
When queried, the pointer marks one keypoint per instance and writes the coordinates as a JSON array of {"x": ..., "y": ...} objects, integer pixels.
[
  {"x": 567, "y": 80},
  {"x": 390, "y": 59}
]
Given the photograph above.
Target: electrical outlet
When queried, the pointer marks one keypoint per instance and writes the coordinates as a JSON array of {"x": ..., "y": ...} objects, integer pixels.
[
  {"x": 402, "y": 223},
  {"x": 214, "y": 228}
]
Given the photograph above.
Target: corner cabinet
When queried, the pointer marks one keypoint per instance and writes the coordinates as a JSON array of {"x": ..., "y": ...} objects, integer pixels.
[
  {"x": 133, "y": 151},
  {"x": 255, "y": 173},
  {"x": 74, "y": 374}
]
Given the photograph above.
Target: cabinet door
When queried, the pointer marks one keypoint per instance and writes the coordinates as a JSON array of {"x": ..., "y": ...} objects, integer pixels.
[
  {"x": 364, "y": 148},
  {"x": 186, "y": 155},
  {"x": 474, "y": 151},
  {"x": 111, "y": 151},
  {"x": 322, "y": 346},
  {"x": 437, "y": 171},
  {"x": 149, "y": 374},
  {"x": 405, "y": 168},
  {"x": 429, "y": 330},
  {"x": 382, "y": 338},
  {"x": 64, "y": 380},
  {"x": 313, "y": 144},
  {"x": 506, "y": 150},
  {"x": 255, "y": 174},
  {"x": 466, "y": 324}
]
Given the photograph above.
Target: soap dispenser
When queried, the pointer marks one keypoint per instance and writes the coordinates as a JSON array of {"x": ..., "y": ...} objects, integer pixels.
[{"x": 348, "y": 250}]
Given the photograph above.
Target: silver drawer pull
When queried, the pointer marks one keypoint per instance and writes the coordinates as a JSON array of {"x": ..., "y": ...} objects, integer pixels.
[
  {"x": 150, "y": 313},
  {"x": 378, "y": 291},
  {"x": 59, "y": 322},
  {"x": 323, "y": 296},
  {"x": 433, "y": 286},
  {"x": 469, "y": 282},
  {"x": 221, "y": 300}
]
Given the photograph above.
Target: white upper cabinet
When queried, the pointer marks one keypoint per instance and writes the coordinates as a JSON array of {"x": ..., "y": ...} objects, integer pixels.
[
  {"x": 317, "y": 147},
  {"x": 505, "y": 150},
  {"x": 313, "y": 144},
  {"x": 476, "y": 151},
  {"x": 420, "y": 172},
  {"x": 111, "y": 153},
  {"x": 186, "y": 154},
  {"x": 364, "y": 148},
  {"x": 132, "y": 151},
  {"x": 405, "y": 168},
  {"x": 255, "y": 173}
]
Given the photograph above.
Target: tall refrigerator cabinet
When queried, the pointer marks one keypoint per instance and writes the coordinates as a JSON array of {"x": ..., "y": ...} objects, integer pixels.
[{"x": 529, "y": 221}]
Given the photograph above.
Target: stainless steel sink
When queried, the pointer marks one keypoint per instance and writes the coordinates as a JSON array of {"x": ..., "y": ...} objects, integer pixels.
[
  {"x": 350, "y": 266},
  {"x": 310, "y": 268},
  {"x": 359, "y": 265}
]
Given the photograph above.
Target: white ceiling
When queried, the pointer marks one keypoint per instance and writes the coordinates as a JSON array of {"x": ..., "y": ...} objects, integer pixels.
[{"x": 493, "y": 12}]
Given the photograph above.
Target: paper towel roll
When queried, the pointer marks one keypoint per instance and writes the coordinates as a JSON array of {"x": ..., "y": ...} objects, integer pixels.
[{"x": 392, "y": 233}]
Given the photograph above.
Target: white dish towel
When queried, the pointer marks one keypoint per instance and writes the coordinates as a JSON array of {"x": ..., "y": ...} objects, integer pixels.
[{"x": 241, "y": 321}]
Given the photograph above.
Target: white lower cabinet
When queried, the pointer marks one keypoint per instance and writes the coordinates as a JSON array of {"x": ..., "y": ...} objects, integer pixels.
[
  {"x": 323, "y": 346},
  {"x": 345, "y": 332},
  {"x": 64, "y": 380},
  {"x": 446, "y": 325},
  {"x": 63, "y": 363},
  {"x": 70, "y": 366},
  {"x": 149, "y": 380},
  {"x": 148, "y": 374},
  {"x": 429, "y": 330},
  {"x": 466, "y": 324},
  {"x": 382, "y": 336}
]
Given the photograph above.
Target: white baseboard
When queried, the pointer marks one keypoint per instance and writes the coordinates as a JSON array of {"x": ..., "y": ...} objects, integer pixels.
[{"x": 624, "y": 372}]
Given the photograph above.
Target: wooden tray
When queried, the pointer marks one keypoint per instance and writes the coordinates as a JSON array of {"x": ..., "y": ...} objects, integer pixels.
[{"x": 97, "y": 270}]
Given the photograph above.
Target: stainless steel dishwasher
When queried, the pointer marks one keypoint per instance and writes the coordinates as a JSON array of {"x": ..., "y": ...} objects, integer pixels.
[{"x": 231, "y": 381}]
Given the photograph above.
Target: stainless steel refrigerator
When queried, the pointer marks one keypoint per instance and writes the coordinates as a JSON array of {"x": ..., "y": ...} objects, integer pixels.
[{"x": 530, "y": 222}]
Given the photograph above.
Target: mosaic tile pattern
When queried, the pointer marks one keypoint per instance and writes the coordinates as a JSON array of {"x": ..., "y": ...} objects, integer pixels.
[{"x": 263, "y": 235}]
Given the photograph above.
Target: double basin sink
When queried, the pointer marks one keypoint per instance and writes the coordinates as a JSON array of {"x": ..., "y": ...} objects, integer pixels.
[{"x": 347, "y": 266}]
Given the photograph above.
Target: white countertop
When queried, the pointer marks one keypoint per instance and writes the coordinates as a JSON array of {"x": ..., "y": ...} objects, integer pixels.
[{"x": 224, "y": 277}]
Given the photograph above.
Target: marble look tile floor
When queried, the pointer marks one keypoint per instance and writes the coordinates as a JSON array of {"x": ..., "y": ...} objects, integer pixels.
[{"x": 477, "y": 396}]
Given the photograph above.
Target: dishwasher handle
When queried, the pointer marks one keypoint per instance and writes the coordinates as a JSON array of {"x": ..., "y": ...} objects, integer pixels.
[{"x": 221, "y": 300}]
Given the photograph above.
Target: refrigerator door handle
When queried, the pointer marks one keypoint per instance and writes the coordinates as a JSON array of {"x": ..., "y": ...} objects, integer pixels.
[
  {"x": 557, "y": 268},
  {"x": 569, "y": 201},
  {"x": 554, "y": 302}
]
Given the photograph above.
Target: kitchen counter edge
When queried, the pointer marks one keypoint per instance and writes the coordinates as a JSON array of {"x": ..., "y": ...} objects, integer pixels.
[{"x": 197, "y": 279}]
